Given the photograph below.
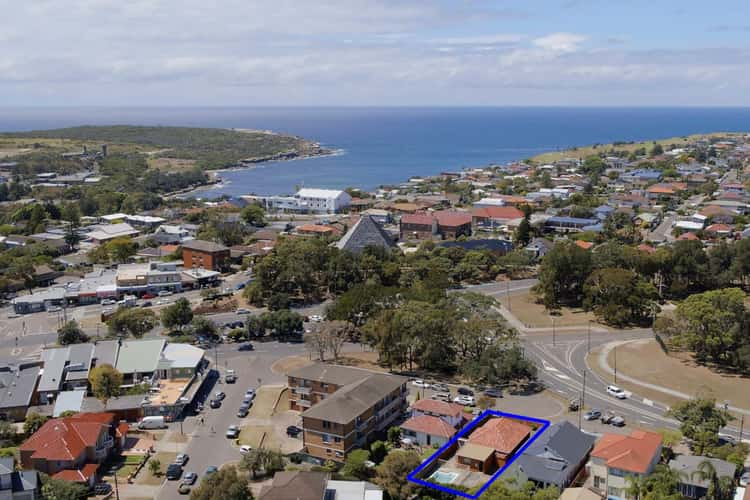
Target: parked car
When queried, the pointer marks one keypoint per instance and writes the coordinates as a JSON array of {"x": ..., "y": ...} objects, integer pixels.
[
  {"x": 214, "y": 403},
  {"x": 439, "y": 386},
  {"x": 242, "y": 310},
  {"x": 174, "y": 471},
  {"x": 148, "y": 296},
  {"x": 250, "y": 393},
  {"x": 182, "y": 459},
  {"x": 54, "y": 309},
  {"x": 109, "y": 302},
  {"x": 220, "y": 396},
  {"x": 465, "y": 391},
  {"x": 211, "y": 469},
  {"x": 442, "y": 396},
  {"x": 293, "y": 431},
  {"x": 233, "y": 431},
  {"x": 592, "y": 414},
  {"x": 247, "y": 401},
  {"x": 465, "y": 400},
  {"x": 316, "y": 318},
  {"x": 165, "y": 293},
  {"x": 243, "y": 411},
  {"x": 607, "y": 417},
  {"x": 493, "y": 392},
  {"x": 574, "y": 404},
  {"x": 184, "y": 489},
  {"x": 745, "y": 479},
  {"x": 230, "y": 377},
  {"x": 245, "y": 449},
  {"x": 147, "y": 304},
  {"x": 190, "y": 478},
  {"x": 246, "y": 347},
  {"x": 420, "y": 383},
  {"x": 618, "y": 421},
  {"x": 615, "y": 391}
]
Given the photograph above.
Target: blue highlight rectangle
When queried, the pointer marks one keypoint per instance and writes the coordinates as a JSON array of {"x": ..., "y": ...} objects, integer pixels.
[{"x": 412, "y": 476}]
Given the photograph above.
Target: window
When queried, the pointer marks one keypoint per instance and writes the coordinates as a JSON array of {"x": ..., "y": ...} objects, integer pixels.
[
  {"x": 326, "y": 424},
  {"x": 328, "y": 451},
  {"x": 598, "y": 482},
  {"x": 339, "y": 454},
  {"x": 326, "y": 438},
  {"x": 336, "y": 439}
]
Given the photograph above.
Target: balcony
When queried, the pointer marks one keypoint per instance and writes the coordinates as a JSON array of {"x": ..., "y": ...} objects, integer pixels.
[
  {"x": 304, "y": 403},
  {"x": 302, "y": 390}
]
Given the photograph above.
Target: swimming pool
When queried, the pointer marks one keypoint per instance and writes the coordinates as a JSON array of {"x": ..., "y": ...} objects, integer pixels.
[{"x": 444, "y": 477}]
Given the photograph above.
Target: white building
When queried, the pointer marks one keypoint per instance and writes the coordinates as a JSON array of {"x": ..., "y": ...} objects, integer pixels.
[{"x": 306, "y": 200}]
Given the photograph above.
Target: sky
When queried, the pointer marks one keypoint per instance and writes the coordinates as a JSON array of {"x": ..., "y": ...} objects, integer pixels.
[{"x": 374, "y": 52}]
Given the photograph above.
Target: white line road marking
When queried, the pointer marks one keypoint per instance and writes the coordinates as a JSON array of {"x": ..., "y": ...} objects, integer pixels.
[
  {"x": 564, "y": 377},
  {"x": 648, "y": 402}
]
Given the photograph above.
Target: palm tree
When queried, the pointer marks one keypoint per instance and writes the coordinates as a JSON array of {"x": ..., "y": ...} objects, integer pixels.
[
  {"x": 719, "y": 488},
  {"x": 636, "y": 487},
  {"x": 664, "y": 481}
]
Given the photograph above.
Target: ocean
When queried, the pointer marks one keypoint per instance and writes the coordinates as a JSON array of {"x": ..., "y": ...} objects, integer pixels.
[{"x": 380, "y": 146}]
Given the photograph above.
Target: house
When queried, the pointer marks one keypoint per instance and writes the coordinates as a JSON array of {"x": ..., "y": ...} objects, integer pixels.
[
  {"x": 18, "y": 384},
  {"x": 311, "y": 485},
  {"x": 492, "y": 444},
  {"x": 556, "y": 457},
  {"x": 151, "y": 278},
  {"x": 569, "y": 224},
  {"x": 365, "y": 233},
  {"x": 586, "y": 245},
  {"x": 417, "y": 226},
  {"x": 690, "y": 484},
  {"x": 345, "y": 407},
  {"x": 171, "y": 234},
  {"x": 433, "y": 423},
  {"x": 205, "y": 255},
  {"x": 447, "y": 224},
  {"x": 18, "y": 484},
  {"x": 616, "y": 456},
  {"x": 539, "y": 247},
  {"x": 322, "y": 200},
  {"x": 491, "y": 217},
  {"x": 103, "y": 233},
  {"x": 719, "y": 230},
  {"x": 73, "y": 448},
  {"x": 641, "y": 177}
]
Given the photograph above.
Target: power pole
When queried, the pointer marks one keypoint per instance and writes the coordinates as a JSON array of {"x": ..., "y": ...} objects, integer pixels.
[
  {"x": 581, "y": 402},
  {"x": 742, "y": 425},
  {"x": 615, "y": 365},
  {"x": 588, "y": 340},
  {"x": 117, "y": 490}
]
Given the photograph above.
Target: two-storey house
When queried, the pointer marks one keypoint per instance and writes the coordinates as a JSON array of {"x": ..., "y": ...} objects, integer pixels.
[{"x": 616, "y": 457}]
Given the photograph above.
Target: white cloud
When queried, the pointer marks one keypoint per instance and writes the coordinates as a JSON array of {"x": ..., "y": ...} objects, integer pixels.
[{"x": 560, "y": 42}]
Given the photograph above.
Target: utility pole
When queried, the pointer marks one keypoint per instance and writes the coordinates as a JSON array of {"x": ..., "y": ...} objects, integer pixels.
[
  {"x": 742, "y": 425},
  {"x": 588, "y": 340},
  {"x": 117, "y": 491},
  {"x": 615, "y": 364},
  {"x": 581, "y": 402}
]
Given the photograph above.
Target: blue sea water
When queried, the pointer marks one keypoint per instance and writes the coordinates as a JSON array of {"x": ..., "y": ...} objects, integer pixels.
[{"x": 388, "y": 145}]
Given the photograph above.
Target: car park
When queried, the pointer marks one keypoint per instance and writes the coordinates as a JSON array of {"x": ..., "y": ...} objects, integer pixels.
[
  {"x": 615, "y": 391},
  {"x": 420, "y": 383},
  {"x": 190, "y": 478},
  {"x": 465, "y": 400},
  {"x": 592, "y": 414},
  {"x": 182, "y": 459},
  {"x": 233, "y": 431},
  {"x": 174, "y": 471},
  {"x": 465, "y": 391},
  {"x": 440, "y": 387},
  {"x": 293, "y": 431}
]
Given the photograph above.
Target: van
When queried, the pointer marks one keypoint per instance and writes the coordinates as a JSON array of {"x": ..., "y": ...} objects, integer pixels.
[{"x": 152, "y": 423}]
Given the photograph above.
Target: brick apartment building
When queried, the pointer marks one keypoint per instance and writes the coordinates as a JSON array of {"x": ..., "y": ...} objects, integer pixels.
[
  {"x": 205, "y": 255},
  {"x": 343, "y": 407},
  {"x": 446, "y": 224}
]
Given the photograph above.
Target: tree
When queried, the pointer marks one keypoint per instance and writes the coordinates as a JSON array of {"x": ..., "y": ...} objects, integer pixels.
[
  {"x": 278, "y": 301},
  {"x": 355, "y": 466},
  {"x": 71, "y": 333},
  {"x": 619, "y": 296},
  {"x": 283, "y": 324},
  {"x": 7, "y": 431},
  {"x": 255, "y": 327},
  {"x": 700, "y": 421},
  {"x": 378, "y": 451},
  {"x": 33, "y": 422},
  {"x": 72, "y": 215},
  {"x": 719, "y": 488},
  {"x": 120, "y": 249},
  {"x": 204, "y": 327},
  {"x": 257, "y": 459},
  {"x": 128, "y": 321},
  {"x": 178, "y": 315},
  {"x": 58, "y": 489},
  {"x": 563, "y": 273},
  {"x": 154, "y": 466},
  {"x": 656, "y": 150},
  {"x": 335, "y": 333},
  {"x": 391, "y": 473},
  {"x": 105, "y": 382},
  {"x": 254, "y": 215},
  {"x": 394, "y": 435},
  {"x": 636, "y": 487},
  {"x": 523, "y": 232},
  {"x": 225, "y": 484}
]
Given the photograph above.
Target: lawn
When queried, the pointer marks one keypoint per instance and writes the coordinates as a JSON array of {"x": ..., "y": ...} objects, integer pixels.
[
  {"x": 645, "y": 361},
  {"x": 524, "y": 307},
  {"x": 146, "y": 477},
  {"x": 265, "y": 399}
]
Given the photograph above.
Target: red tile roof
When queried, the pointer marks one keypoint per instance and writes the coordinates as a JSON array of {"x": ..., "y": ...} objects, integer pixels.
[
  {"x": 422, "y": 219},
  {"x": 438, "y": 407},
  {"x": 66, "y": 438},
  {"x": 584, "y": 244},
  {"x": 502, "y": 434},
  {"x": 719, "y": 228},
  {"x": 632, "y": 453},
  {"x": 77, "y": 475},
  {"x": 434, "y": 426},
  {"x": 688, "y": 236},
  {"x": 450, "y": 218},
  {"x": 507, "y": 213}
]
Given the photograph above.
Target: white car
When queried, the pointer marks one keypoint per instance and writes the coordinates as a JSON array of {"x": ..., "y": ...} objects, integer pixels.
[
  {"x": 745, "y": 479},
  {"x": 615, "y": 391},
  {"x": 242, "y": 311},
  {"x": 421, "y": 383},
  {"x": 465, "y": 400},
  {"x": 316, "y": 318},
  {"x": 245, "y": 449},
  {"x": 165, "y": 293}
]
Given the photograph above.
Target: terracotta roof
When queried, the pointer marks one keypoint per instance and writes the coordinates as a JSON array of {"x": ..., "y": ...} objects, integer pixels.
[
  {"x": 422, "y": 219},
  {"x": 315, "y": 228},
  {"x": 438, "y": 407},
  {"x": 661, "y": 189},
  {"x": 632, "y": 453},
  {"x": 501, "y": 434},
  {"x": 65, "y": 438},
  {"x": 434, "y": 426},
  {"x": 167, "y": 249},
  {"x": 497, "y": 213},
  {"x": 453, "y": 219},
  {"x": 406, "y": 207},
  {"x": 77, "y": 475},
  {"x": 584, "y": 244},
  {"x": 122, "y": 429},
  {"x": 714, "y": 210},
  {"x": 719, "y": 228},
  {"x": 688, "y": 236}
]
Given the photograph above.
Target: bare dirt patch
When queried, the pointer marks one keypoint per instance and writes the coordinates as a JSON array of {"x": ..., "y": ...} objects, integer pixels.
[
  {"x": 644, "y": 360},
  {"x": 524, "y": 307},
  {"x": 171, "y": 164},
  {"x": 290, "y": 363}
]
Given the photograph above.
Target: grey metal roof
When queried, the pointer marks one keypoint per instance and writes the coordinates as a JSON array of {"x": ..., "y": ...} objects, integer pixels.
[
  {"x": 105, "y": 352},
  {"x": 353, "y": 400},
  {"x": 330, "y": 374},
  {"x": 204, "y": 246},
  {"x": 79, "y": 356},
  {"x": 365, "y": 233},
  {"x": 93, "y": 405},
  {"x": 688, "y": 464},
  {"x": 17, "y": 384},
  {"x": 25, "y": 480},
  {"x": 6, "y": 465},
  {"x": 139, "y": 356},
  {"x": 54, "y": 367},
  {"x": 550, "y": 456},
  {"x": 68, "y": 401}
]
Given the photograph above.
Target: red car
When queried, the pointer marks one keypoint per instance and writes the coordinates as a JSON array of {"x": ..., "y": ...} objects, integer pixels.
[{"x": 147, "y": 296}]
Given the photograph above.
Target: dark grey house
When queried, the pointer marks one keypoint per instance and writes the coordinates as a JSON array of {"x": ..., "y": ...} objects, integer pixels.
[
  {"x": 691, "y": 486},
  {"x": 556, "y": 457},
  {"x": 365, "y": 233},
  {"x": 18, "y": 484}
]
